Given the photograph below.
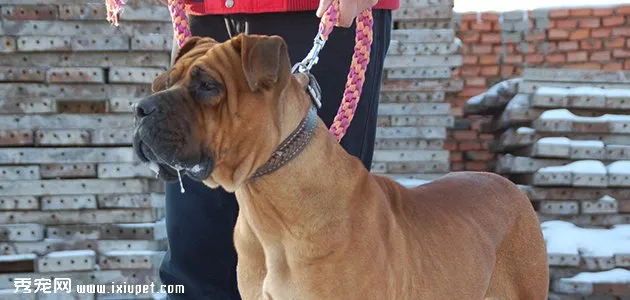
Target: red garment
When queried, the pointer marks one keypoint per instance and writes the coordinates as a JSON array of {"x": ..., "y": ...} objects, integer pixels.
[{"x": 220, "y": 7}]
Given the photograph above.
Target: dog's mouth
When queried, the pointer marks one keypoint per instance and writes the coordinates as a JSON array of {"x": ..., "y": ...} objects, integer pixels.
[{"x": 170, "y": 170}]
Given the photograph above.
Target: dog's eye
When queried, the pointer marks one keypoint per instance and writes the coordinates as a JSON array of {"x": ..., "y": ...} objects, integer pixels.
[
  {"x": 207, "y": 90},
  {"x": 207, "y": 86}
]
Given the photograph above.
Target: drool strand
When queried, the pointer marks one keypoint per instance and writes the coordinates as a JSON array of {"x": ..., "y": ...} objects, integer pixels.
[{"x": 181, "y": 184}]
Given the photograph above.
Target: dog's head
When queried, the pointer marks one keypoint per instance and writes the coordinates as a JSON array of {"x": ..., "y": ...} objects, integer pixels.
[{"x": 214, "y": 113}]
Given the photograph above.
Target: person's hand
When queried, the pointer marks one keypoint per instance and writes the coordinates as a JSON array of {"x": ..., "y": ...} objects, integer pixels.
[{"x": 348, "y": 9}]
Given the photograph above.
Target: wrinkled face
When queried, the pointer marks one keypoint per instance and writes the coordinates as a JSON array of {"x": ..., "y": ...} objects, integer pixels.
[{"x": 215, "y": 107}]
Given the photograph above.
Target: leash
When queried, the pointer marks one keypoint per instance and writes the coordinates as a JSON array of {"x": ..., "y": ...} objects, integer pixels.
[{"x": 360, "y": 57}]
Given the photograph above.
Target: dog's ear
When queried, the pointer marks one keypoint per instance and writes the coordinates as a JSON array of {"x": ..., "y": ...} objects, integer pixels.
[
  {"x": 265, "y": 61},
  {"x": 160, "y": 82}
]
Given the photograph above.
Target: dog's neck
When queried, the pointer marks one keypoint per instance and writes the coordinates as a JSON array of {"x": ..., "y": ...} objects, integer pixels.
[{"x": 272, "y": 200}]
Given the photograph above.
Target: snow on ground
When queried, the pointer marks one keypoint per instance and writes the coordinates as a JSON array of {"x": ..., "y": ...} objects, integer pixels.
[
  {"x": 579, "y": 167},
  {"x": 17, "y": 257},
  {"x": 502, "y": 6},
  {"x": 566, "y": 142},
  {"x": 565, "y": 114},
  {"x": 71, "y": 253},
  {"x": 525, "y": 130},
  {"x": 411, "y": 183},
  {"x": 556, "y": 141},
  {"x": 610, "y": 276},
  {"x": 133, "y": 252},
  {"x": 583, "y": 91},
  {"x": 566, "y": 238},
  {"x": 619, "y": 167}
]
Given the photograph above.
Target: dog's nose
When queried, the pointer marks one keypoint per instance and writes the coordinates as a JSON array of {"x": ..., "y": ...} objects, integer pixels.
[{"x": 145, "y": 107}]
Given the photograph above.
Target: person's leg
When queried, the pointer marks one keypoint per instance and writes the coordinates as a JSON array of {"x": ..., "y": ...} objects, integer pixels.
[
  {"x": 200, "y": 223},
  {"x": 298, "y": 30}
]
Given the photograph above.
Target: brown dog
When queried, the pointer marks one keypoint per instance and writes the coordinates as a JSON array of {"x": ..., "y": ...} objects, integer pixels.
[{"x": 313, "y": 223}]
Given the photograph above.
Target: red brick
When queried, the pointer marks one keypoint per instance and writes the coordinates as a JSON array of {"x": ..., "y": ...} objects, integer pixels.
[
  {"x": 471, "y": 70},
  {"x": 492, "y": 59},
  {"x": 456, "y": 157},
  {"x": 566, "y": 24},
  {"x": 469, "y": 16},
  {"x": 591, "y": 44},
  {"x": 481, "y": 26},
  {"x": 488, "y": 16},
  {"x": 486, "y": 136},
  {"x": 469, "y": 145},
  {"x": 619, "y": 53},
  {"x": 558, "y": 13},
  {"x": 476, "y": 81},
  {"x": 601, "y": 32},
  {"x": 621, "y": 31},
  {"x": 531, "y": 48},
  {"x": 491, "y": 38},
  {"x": 558, "y": 34},
  {"x": 615, "y": 43},
  {"x": 476, "y": 166},
  {"x": 623, "y": 10},
  {"x": 602, "y": 12},
  {"x": 568, "y": 46},
  {"x": 505, "y": 48},
  {"x": 507, "y": 71},
  {"x": 458, "y": 166},
  {"x": 470, "y": 36},
  {"x": 485, "y": 145},
  {"x": 490, "y": 71},
  {"x": 471, "y": 91},
  {"x": 613, "y": 66},
  {"x": 547, "y": 47},
  {"x": 464, "y": 26},
  {"x": 555, "y": 58},
  {"x": 583, "y": 66},
  {"x": 534, "y": 59},
  {"x": 481, "y": 49},
  {"x": 536, "y": 36},
  {"x": 471, "y": 59},
  {"x": 580, "y": 34},
  {"x": 450, "y": 145},
  {"x": 580, "y": 12},
  {"x": 600, "y": 56},
  {"x": 626, "y": 65},
  {"x": 614, "y": 21},
  {"x": 590, "y": 23},
  {"x": 513, "y": 59},
  {"x": 478, "y": 155},
  {"x": 577, "y": 56},
  {"x": 457, "y": 112},
  {"x": 462, "y": 135},
  {"x": 457, "y": 72}
]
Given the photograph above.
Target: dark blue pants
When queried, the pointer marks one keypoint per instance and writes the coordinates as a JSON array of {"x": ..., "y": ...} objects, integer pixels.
[{"x": 200, "y": 223}]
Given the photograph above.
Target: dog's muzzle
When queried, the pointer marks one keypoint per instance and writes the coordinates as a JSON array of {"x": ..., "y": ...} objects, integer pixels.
[{"x": 163, "y": 139}]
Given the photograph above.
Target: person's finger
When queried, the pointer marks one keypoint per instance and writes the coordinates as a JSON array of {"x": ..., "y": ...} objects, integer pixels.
[
  {"x": 347, "y": 12},
  {"x": 323, "y": 5}
]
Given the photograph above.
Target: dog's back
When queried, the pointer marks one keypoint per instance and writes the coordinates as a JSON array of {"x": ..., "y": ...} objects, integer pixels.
[{"x": 476, "y": 231}]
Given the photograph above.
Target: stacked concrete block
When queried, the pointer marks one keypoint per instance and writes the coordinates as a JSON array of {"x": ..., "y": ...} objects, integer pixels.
[
  {"x": 413, "y": 113},
  {"x": 564, "y": 136},
  {"x": 75, "y": 201},
  {"x": 499, "y": 46}
]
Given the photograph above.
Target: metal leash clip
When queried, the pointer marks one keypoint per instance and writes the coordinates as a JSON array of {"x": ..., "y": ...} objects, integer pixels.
[{"x": 312, "y": 57}]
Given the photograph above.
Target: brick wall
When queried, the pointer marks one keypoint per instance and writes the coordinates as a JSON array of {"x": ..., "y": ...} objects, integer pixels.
[{"x": 498, "y": 46}]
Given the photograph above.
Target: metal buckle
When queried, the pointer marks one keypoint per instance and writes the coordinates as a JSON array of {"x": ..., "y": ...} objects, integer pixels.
[
  {"x": 312, "y": 57},
  {"x": 314, "y": 90}
]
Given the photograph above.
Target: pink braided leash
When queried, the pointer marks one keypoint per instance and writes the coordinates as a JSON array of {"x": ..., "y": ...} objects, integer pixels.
[{"x": 360, "y": 57}]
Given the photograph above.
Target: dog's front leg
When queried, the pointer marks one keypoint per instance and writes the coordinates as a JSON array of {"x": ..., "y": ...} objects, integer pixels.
[{"x": 251, "y": 269}]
